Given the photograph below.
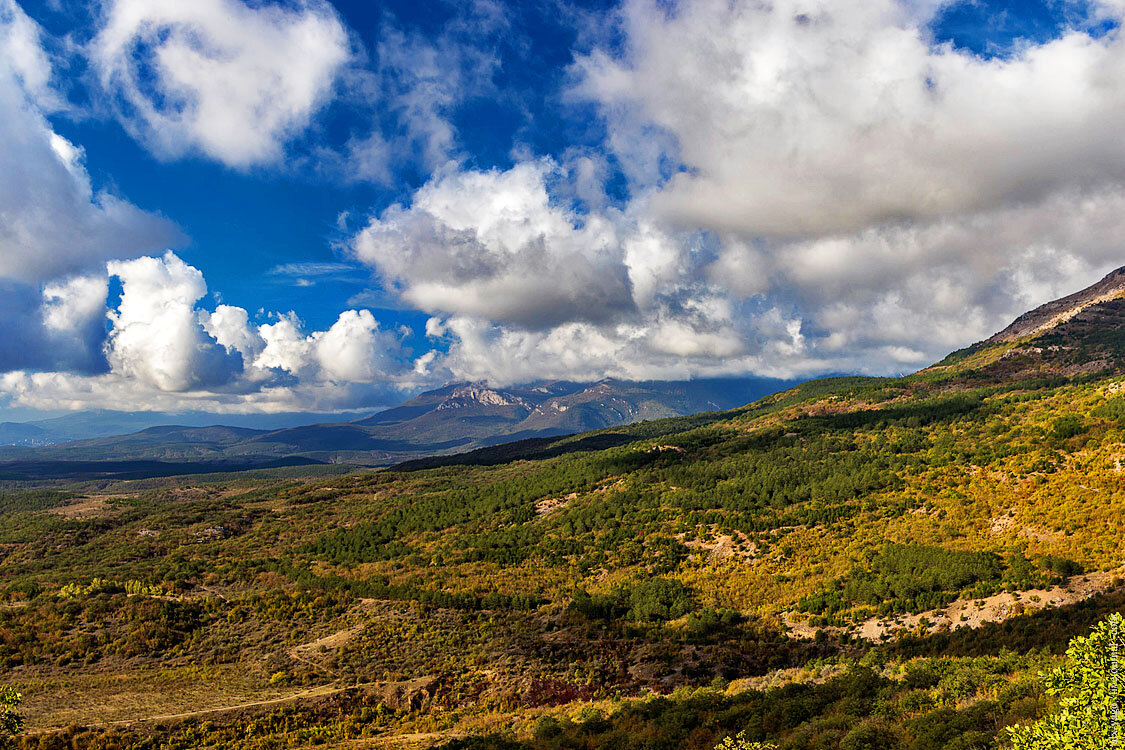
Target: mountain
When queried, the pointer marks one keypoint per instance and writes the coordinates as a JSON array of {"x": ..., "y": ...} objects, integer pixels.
[
  {"x": 458, "y": 416},
  {"x": 20, "y": 433},
  {"x": 1080, "y": 334},
  {"x": 474, "y": 414},
  {"x": 852, "y": 562},
  {"x": 85, "y": 425},
  {"x": 1096, "y": 300}
]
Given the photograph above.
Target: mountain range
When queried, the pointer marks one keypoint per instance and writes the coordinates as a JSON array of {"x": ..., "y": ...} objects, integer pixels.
[
  {"x": 455, "y": 417},
  {"x": 83, "y": 425},
  {"x": 1080, "y": 334}
]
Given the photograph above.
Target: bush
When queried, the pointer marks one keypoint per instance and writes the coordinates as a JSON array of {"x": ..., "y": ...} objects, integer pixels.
[
  {"x": 11, "y": 720},
  {"x": 874, "y": 735}
]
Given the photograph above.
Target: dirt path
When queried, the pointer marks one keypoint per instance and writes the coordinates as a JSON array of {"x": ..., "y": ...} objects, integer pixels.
[
  {"x": 316, "y": 692},
  {"x": 304, "y": 652},
  {"x": 301, "y": 652}
]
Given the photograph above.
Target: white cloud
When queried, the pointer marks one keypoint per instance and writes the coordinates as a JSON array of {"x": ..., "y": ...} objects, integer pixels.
[
  {"x": 231, "y": 81},
  {"x": 164, "y": 352},
  {"x": 286, "y": 346},
  {"x": 885, "y": 299},
  {"x": 63, "y": 390},
  {"x": 802, "y": 117},
  {"x": 353, "y": 349},
  {"x": 422, "y": 82},
  {"x": 25, "y": 58},
  {"x": 74, "y": 317},
  {"x": 492, "y": 245},
  {"x": 853, "y": 198},
  {"x": 230, "y": 327},
  {"x": 157, "y": 338},
  {"x": 72, "y": 304},
  {"x": 846, "y": 196},
  {"x": 52, "y": 221}
]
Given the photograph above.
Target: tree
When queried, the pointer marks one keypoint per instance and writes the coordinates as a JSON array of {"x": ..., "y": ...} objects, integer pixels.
[
  {"x": 11, "y": 720},
  {"x": 1089, "y": 713},
  {"x": 872, "y": 736},
  {"x": 739, "y": 742}
]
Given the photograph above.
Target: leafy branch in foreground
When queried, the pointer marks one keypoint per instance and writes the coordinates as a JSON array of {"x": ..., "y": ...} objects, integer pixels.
[
  {"x": 1089, "y": 711},
  {"x": 11, "y": 720}
]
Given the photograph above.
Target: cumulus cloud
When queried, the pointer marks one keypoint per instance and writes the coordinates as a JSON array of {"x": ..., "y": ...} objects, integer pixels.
[
  {"x": 845, "y": 194},
  {"x": 524, "y": 284},
  {"x": 230, "y": 327},
  {"x": 809, "y": 186},
  {"x": 157, "y": 338},
  {"x": 52, "y": 221},
  {"x": 492, "y": 245},
  {"x": 163, "y": 351},
  {"x": 228, "y": 80},
  {"x": 59, "y": 327},
  {"x": 353, "y": 350},
  {"x": 809, "y": 117},
  {"x": 74, "y": 316}
]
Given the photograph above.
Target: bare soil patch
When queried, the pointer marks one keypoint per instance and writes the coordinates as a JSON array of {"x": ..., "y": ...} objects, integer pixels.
[{"x": 971, "y": 613}]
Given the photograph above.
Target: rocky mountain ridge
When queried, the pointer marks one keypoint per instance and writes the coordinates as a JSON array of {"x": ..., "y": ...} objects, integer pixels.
[
  {"x": 455, "y": 417},
  {"x": 1057, "y": 312}
]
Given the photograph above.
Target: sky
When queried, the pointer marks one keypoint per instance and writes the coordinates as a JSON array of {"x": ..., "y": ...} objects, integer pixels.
[{"x": 302, "y": 206}]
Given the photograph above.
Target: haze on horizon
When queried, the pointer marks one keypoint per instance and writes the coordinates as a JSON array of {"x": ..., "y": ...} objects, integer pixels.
[{"x": 306, "y": 206}]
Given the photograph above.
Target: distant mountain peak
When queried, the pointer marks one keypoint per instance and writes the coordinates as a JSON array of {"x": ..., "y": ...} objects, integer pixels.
[
  {"x": 474, "y": 393},
  {"x": 1059, "y": 311},
  {"x": 455, "y": 417}
]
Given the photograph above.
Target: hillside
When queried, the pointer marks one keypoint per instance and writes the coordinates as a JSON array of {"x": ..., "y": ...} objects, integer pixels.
[
  {"x": 86, "y": 425},
  {"x": 1079, "y": 334},
  {"x": 456, "y": 417},
  {"x": 1058, "y": 313},
  {"x": 850, "y": 563},
  {"x": 18, "y": 433}
]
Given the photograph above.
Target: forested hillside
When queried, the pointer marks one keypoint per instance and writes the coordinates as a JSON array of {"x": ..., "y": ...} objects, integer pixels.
[{"x": 852, "y": 563}]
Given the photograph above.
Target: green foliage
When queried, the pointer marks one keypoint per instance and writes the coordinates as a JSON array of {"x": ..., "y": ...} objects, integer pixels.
[
  {"x": 872, "y": 735},
  {"x": 462, "y": 573},
  {"x": 342, "y": 721},
  {"x": 1067, "y": 426},
  {"x": 32, "y": 500},
  {"x": 739, "y": 742},
  {"x": 11, "y": 720},
  {"x": 653, "y": 600},
  {"x": 66, "y": 630},
  {"x": 1089, "y": 687},
  {"x": 902, "y": 578},
  {"x": 853, "y": 710},
  {"x": 1112, "y": 410}
]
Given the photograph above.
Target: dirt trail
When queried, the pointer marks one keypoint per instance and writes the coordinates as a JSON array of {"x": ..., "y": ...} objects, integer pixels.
[
  {"x": 316, "y": 692},
  {"x": 304, "y": 652}
]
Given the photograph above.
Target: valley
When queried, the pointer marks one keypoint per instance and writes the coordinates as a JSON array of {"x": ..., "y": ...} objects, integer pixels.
[{"x": 797, "y": 568}]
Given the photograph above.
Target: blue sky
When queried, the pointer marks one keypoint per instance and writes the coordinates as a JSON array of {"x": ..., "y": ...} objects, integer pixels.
[{"x": 380, "y": 197}]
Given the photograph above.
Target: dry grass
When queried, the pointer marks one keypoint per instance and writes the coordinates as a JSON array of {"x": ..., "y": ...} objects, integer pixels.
[{"x": 98, "y": 697}]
